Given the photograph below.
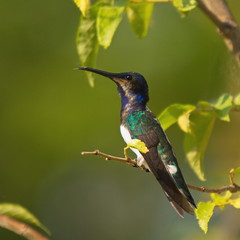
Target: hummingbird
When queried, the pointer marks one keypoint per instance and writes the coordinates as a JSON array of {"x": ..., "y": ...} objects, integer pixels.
[{"x": 138, "y": 122}]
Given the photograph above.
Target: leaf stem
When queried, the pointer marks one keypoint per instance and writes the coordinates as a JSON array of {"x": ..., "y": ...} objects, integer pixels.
[
  {"x": 20, "y": 228},
  {"x": 232, "y": 187}
]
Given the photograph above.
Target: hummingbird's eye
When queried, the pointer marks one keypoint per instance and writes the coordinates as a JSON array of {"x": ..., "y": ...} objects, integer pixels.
[{"x": 129, "y": 77}]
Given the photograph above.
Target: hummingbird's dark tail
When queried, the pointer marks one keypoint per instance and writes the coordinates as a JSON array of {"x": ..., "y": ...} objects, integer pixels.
[
  {"x": 176, "y": 196},
  {"x": 177, "y": 208}
]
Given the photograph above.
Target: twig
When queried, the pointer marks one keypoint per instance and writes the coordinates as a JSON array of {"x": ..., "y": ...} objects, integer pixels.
[
  {"x": 110, "y": 157},
  {"x": 118, "y": 159},
  {"x": 232, "y": 187},
  {"x": 20, "y": 228},
  {"x": 219, "y": 12}
]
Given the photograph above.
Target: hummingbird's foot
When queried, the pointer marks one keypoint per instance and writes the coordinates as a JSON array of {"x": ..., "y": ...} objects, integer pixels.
[
  {"x": 128, "y": 159},
  {"x": 134, "y": 163},
  {"x": 143, "y": 167},
  {"x": 146, "y": 170}
]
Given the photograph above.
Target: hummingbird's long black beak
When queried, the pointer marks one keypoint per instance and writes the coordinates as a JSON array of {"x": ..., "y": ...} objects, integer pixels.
[{"x": 100, "y": 72}]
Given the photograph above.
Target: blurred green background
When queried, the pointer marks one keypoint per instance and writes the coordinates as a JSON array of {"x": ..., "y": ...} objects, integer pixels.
[{"x": 49, "y": 114}]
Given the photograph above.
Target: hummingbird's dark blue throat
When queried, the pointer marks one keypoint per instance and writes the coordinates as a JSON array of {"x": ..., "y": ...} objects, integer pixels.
[
  {"x": 132, "y": 87},
  {"x": 138, "y": 122}
]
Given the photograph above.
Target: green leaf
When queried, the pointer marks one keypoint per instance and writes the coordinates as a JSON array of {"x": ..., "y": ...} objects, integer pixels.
[
  {"x": 184, "y": 121},
  {"x": 138, "y": 144},
  {"x": 87, "y": 42},
  {"x": 83, "y": 5},
  {"x": 237, "y": 100},
  {"x": 22, "y": 214},
  {"x": 222, "y": 107},
  {"x": 221, "y": 199},
  {"x": 139, "y": 16},
  {"x": 204, "y": 105},
  {"x": 235, "y": 202},
  {"x": 196, "y": 140},
  {"x": 185, "y": 5},
  {"x": 204, "y": 213},
  {"x": 171, "y": 114},
  {"x": 120, "y": 3},
  {"x": 108, "y": 20},
  {"x": 236, "y": 170}
]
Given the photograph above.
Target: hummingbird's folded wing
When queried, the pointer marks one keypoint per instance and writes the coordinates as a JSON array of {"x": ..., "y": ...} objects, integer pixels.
[
  {"x": 161, "y": 160},
  {"x": 178, "y": 200}
]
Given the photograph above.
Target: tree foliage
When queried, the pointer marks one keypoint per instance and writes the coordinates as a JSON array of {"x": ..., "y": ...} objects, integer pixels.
[
  {"x": 98, "y": 24},
  {"x": 197, "y": 123},
  {"x": 205, "y": 210}
]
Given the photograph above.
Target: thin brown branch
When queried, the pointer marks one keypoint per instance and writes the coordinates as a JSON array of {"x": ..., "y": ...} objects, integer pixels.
[
  {"x": 118, "y": 159},
  {"x": 232, "y": 187},
  {"x": 20, "y": 228},
  {"x": 110, "y": 157},
  {"x": 220, "y": 14}
]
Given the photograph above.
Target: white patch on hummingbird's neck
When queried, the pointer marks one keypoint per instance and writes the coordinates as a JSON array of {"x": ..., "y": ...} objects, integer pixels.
[{"x": 127, "y": 138}]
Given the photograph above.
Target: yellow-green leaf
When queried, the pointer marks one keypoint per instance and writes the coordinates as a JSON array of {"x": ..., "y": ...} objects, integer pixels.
[
  {"x": 204, "y": 213},
  {"x": 196, "y": 140},
  {"x": 235, "y": 202},
  {"x": 20, "y": 213},
  {"x": 222, "y": 107},
  {"x": 204, "y": 105},
  {"x": 184, "y": 121},
  {"x": 138, "y": 144},
  {"x": 221, "y": 199},
  {"x": 185, "y": 5},
  {"x": 83, "y": 5},
  {"x": 237, "y": 100},
  {"x": 171, "y": 114},
  {"x": 108, "y": 19},
  {"x": 87, "y": 42},
  {"x": 236, "y": 170},
  {"x": 139, "y": 16}
]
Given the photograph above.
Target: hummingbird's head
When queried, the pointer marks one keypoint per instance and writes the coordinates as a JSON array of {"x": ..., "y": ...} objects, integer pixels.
[{"x": 131, "y": 85}]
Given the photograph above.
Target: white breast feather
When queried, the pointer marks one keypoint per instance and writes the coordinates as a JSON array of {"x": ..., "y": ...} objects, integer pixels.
[
  {"x": 125, "y": 134},
  {"x": 127, "y": 138}
]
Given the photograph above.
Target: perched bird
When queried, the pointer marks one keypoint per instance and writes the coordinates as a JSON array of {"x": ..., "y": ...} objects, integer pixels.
[{"x": 138, "y": 122}]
